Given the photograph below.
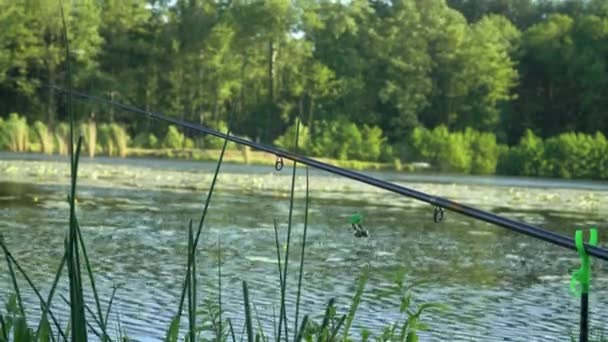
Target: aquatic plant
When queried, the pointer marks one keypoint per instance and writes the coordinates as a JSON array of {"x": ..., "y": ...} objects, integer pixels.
[
  {"x": 44, "y": 137},
  {"x": 62, "y": 138},
  {"x": 15, "y": 133},
  {"x": 120, "y": 139},
  {"x": 89, "y": 133},
  {"x": 108, "y": 146}
]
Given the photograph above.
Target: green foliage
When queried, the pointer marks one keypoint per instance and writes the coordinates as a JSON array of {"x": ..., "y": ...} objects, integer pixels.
[
  {"x": 173, "y": 139},
  {"x": 62, "y": 137},
  {"x": 463, "y": 152},
  {"x": 372, "y": 144},
  {"x": 120, "y": 139},
  {"x": 344, "y": 140},
  {"x": 14, "y": 133},
  {"x": 571, "y": 155},
  {"x": 525, "y": 159},
  {"x": 286, "y": 141},
  {"x": 88, "y": 130},
  {"x": 485, "y": 152},
  {"x": 114, "y": 140},
  {"x": 43, "y": 137},
  {"x": 568, "y": 155},
  {"x": 212, "y": 142},
  {"x": 108, "y": 146},
  {"x": 145, "y": 140},
  {"x": 188, "y": 143}
]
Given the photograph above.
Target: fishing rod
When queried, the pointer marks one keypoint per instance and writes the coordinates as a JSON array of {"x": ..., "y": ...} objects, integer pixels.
[{"x": 438, "y": 202}]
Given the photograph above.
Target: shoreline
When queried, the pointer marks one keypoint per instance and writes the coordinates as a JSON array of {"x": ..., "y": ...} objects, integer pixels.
[
  {"x": 236, "y": 156},
  {"x": 410, "y": 173}
]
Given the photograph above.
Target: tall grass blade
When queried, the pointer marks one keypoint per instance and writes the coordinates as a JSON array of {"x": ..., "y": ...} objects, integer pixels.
[
  {"x": 120, "y": 333},
  {"x": 11, "y": 271},
  {"x": 356, "y": 301},
  {"x": 192, "y": 286},
  {"x": 281, "y": 283},
  {"x": 257, "y": 318},
  {"x": 231, "y": 330},
  {"x": 109, "y": 309},
  {"x": 173, "y": 331},
  {"x": 337, "y": 328},
  {"x": 4, "y": 329},
  {"x": 301, "y": 329},
  {"x": 89, "y": 325},
  {"x": 327, "y": 315},
  {"x": 70, "y": 86},
  {"x": 49, "y": 299},
  {"x": 289, "y": 222},
  {"x": 248, "y": 322},
  {"x": 175, "y": 323},
  {"x": 102, "y": 320},
  {"x": 13, "y": 261},
  {"x": 96, "y": 319},
  {"x": 219, "y": 287},
  {"x": 77, "y": 316},
  {"x": 278, "y": 246},
  {"x": 302, "y": 255},
  {"x": 274, "y": 323},
  {"x": 21, "y": 332}
]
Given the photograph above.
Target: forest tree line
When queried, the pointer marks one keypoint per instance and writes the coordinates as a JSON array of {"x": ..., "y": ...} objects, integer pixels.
[{"x": 362, "y": 74}]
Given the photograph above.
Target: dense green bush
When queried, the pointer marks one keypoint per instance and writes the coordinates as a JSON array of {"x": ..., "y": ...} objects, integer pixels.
[
  {"x": 463, "y": 152},
  {"x": 62, "y": 137},
  {"x": 343, "y": 140},
  {"x": 485, "y": 152},
  {"x": 287, "y": 140},
  {"x": 372, "y": 144},
  {"x": 43, "y": 137},
  {"x": 14, "y": 133},
  {"x": 173, "y": 139},
  {"x": 88, "y": 130},
  {"x": 575, "y": 155},
  {"x": 120, "y": 138},
  {"x": 107, "y": 144},
  {"x": 145, "y": 140},
  {"x": 212, "y": 142},
  {"x": 568, "y": 155}
]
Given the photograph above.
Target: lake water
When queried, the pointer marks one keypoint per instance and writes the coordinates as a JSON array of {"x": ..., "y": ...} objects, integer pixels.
[{"x": 497, "y": 285}]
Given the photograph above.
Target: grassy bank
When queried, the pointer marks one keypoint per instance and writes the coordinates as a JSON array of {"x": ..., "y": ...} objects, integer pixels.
[
  {"x": 258, "y": 158},
  {"x": 568, "y": 155}
]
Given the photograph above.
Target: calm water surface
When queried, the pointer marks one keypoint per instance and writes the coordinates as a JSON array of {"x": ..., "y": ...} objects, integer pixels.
[{"x": 498, "y": 286}]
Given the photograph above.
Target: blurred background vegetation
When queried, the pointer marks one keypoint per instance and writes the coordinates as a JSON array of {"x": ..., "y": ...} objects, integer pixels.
[{"x": 470, "y": 86}]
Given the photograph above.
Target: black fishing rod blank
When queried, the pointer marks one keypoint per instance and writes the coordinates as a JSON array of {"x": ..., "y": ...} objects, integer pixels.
[{"x": 519, "y": 227}]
